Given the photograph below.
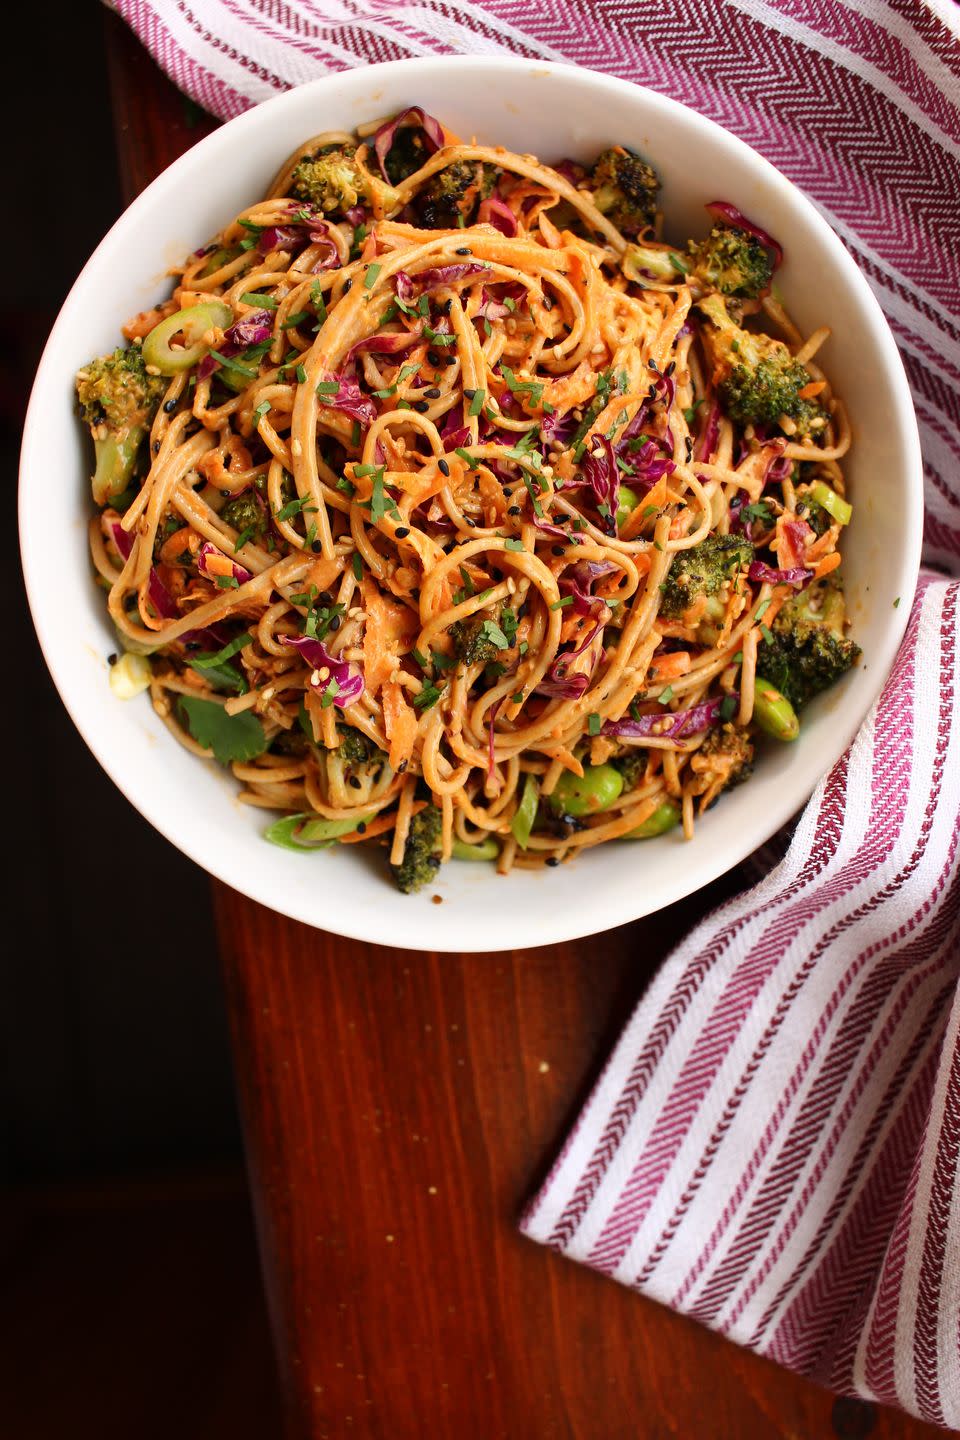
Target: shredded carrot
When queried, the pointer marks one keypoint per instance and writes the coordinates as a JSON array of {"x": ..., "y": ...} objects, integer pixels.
[
  {"x": 389, "y": 626},
  {"x": 814, "y": 388},
  {"x": 672, "y": 666},
  {"x": 400, "y": 723},
  {"x": 828, "y": 563}
]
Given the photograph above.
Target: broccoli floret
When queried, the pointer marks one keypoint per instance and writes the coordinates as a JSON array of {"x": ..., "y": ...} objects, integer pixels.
[
  {"x": 407, "y": 153},
  {"x": 723, "y": 760},
  {"x": 471, "y": 641},
  {"x": 625, "y": 189},
  {"x": 732, "y": 261},
  {"x": 807, "y": 650},
  {"x": 334, "y": 182},
  {"x": 357, "y": 750},
  {"x": 758, "y": 379},
  {"x": 730, "y": 753},
  {"x": 632, "y": 766},
  {"x": 701, "y": 571},
  {"x": 452, "y": 195},
  {"x": 653, "y": 262},
  {"x": 244, "y": 514},
  {"x": 420, "y": 859},
  {"x": 118, "y": 400}
]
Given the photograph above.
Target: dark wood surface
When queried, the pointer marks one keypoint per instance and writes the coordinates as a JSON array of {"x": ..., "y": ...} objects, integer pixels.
[{"x": 399, "y": 1108}]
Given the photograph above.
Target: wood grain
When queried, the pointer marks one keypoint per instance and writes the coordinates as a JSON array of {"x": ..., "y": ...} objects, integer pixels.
[{"x": 399, "y": 1109}]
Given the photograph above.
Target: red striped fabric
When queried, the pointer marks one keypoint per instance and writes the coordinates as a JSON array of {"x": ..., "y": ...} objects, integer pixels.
[{"x": 773, "y": 1147}]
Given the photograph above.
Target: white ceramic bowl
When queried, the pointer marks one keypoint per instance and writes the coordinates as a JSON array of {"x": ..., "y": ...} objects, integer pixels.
[{"x": 551, "y": 111}]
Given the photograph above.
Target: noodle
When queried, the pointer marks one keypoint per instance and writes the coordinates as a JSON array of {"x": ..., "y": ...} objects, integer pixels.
[{"x": 408, "y": 519}]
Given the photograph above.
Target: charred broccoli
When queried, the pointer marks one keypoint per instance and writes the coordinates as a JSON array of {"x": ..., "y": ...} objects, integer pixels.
[
  {"x": 473, "y": 641},
  {"x": 807, "y": 651},
  {"x": 625, "y": 189},
  {"x": 118, "y": 400},
  {"x": 632, "y": 767},
  {"x": 334, "y": 181},
  {"x": 701, "y": 571},
  {"x": 654, "y": 262},
  {"x": 449, "y": 198},
  {"x": 356, "y": 749},
  {"x": 758, "y": 379},
  {"x": 407, "y": 153},
  {"x": 725, "y": 759},
  {"x": 733, "y": 262},
  {"x": 244, "y": 514},
  {"x": 420, "y": 859}
]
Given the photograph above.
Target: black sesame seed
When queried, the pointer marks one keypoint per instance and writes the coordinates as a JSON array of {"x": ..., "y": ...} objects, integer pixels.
[
  {"x": 347, "y": 286},
  {"x": 443, "y": 467},
  {"x": 315, "y": 546},
  {"x": 335, "y": 623},
  {"x": 355, "y": 781},
  {"x": 557, "y": 549},
  {"x": 449, "y": 360},
  {"x": 670, "y": 368},
  {"x": 156, "y": 447},
  {"x": 433, "y": 357},
  {"x": 170, "y": 406},
  {"x": 469, "y": 394},
  {"x": 553, "y": 860},
  {"x": 433, "y": 393},
  {"x": 446, "y": 307},
  {"x": 513, "y": 510},
  {"x": 464, "y": 250},
  {"x": 652, "y": 364},
  {"x": 403, "y": 532},
  {"x": 421, "y": 406},
  {"x": 362, "y": 828},
  {"x": 225, "y": 494},
  {"x": 112, "y": 659},
  {"x": 471, "y": 523},
  {"x": 547, "y": 303}
]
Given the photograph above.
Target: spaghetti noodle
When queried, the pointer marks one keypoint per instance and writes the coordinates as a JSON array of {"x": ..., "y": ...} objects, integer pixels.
[{"x": 437, "y": 510}]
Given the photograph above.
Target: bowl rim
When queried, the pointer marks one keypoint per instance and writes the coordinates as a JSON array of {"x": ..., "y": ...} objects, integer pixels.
[{"x": 360, "y": 923}]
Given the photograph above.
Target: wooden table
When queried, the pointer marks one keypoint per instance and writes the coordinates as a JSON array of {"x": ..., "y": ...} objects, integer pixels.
[{"x": 398, "y": 1110}]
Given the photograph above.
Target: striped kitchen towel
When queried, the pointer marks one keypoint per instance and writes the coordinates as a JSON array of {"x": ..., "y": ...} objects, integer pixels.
[{"x": 774, "y": 1145}]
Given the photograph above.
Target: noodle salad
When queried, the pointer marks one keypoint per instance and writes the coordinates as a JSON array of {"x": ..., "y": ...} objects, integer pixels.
[{"x": 459, "y": 515}]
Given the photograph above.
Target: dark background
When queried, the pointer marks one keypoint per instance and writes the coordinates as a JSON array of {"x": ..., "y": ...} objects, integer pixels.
[{"x": 125, "y": 1237}]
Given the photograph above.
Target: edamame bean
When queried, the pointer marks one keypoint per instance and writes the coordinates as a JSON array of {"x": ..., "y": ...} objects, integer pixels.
[
  {"x": 191, "y": 324},
  {"x": 664, "y": 818},
  {"x": 773, "y": 711},
  {"x": 628, "y": 501},
  {"x": 597, "y": 790},
  {"x": 484, "y": 850}
]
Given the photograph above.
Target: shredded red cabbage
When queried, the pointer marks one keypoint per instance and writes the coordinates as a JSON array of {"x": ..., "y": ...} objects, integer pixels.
[
  {"x": 797, "y": 575},
  {"x": 603, "y": 476},
  {"x": 496, "y": 212},
  {"x": 356, "y": 215},
  {"x": 378, "y": 344},
  {"x": 797, "y": 534},
  {"x": 561, "y": 686},
  {"x": 349, "y": 398},
  {"x": 121, "y": 539},
  {"x": 403, "y": 286},
  {"x": 561, "y": 427},
  {"x": 709, "y": 435},
  {"x": 670, "y": 726},
  {"x": 160, "y": 597},
  {"x": 326, "y": 668},
  {"x": 207, "y": 551},
  {"x": 385, "y": 136},
  {"x": 547, "y": 526},
  {"x": 249, "y": 331},
  {"x": 723, "y": 210},
  {"x": 447, "y": 274},
  {"x": 571, "y": 170}
]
